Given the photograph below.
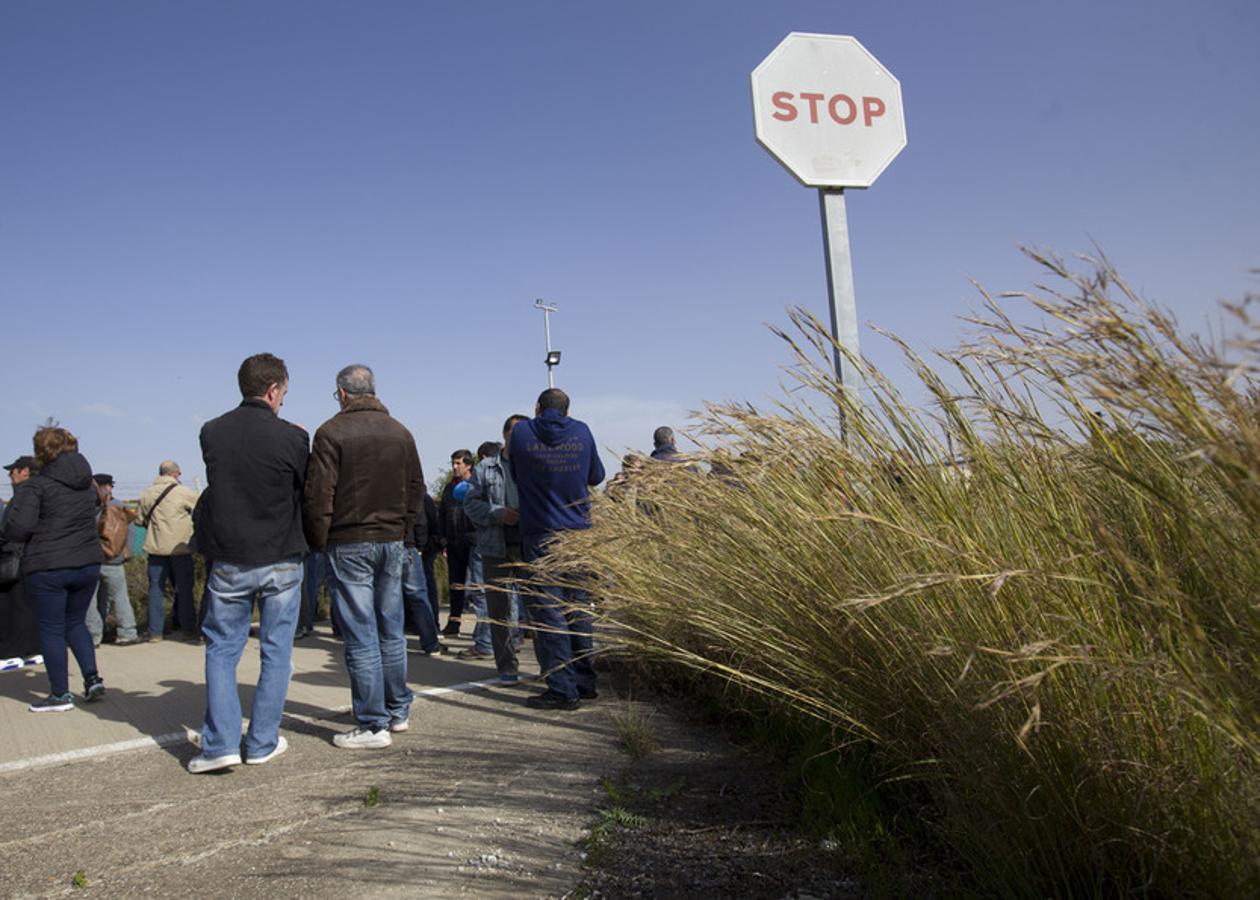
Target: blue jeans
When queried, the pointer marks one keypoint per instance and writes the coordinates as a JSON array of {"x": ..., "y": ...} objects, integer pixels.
[
  {"x": 416, "y": 599},
  {"x": 111, "y": 591},
  {"x": 518, "y": 617},
  {"x": 501, "y": 599},
  {"x": 430, "y": 585},
  {"x": 476, "y": 598},
  {"x": 233, "y": 590},
  {"x": 313, "y": 577},
  {"x": 60, "y": 598},
  {"x": 563, "y": 627},
  {"x": 367, "y": 594},
  {"x": 179, "y": 569}
]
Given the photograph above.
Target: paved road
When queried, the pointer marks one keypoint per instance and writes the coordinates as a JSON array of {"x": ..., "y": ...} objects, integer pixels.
[{"x": 483, "y": 796}]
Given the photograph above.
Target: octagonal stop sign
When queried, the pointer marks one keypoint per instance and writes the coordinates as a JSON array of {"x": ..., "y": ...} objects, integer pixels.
[{"x": 828, "y": 110}]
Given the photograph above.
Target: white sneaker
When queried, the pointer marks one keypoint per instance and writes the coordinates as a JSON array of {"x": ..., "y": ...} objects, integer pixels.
[
  {"x": 202, "y": 763},
  {"x": 363, "y": 739},
  {"x": 281, "y": 746},
  {"x": 400, "y": 725}
]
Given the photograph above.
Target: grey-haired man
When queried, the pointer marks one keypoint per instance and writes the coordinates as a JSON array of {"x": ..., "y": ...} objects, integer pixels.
[{"x": 364, "y": 490}]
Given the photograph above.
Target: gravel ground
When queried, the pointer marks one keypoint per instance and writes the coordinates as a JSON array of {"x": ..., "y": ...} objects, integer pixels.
[{"x": 699, "y": 817}]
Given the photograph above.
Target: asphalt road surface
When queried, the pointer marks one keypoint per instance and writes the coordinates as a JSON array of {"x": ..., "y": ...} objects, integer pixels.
[{"x": 483, "y": 796}]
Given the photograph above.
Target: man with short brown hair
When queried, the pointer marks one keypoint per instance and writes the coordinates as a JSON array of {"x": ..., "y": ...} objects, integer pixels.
[{"x": 249, "y": 523}]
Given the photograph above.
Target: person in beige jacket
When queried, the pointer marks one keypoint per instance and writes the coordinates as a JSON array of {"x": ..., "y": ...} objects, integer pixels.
[{"x": 165, "y": 510}]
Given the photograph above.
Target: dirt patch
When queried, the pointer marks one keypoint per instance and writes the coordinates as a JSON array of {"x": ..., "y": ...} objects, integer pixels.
[{"x": 699, "y": 817}]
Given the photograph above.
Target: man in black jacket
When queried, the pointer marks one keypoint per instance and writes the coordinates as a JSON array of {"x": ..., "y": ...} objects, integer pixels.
[
  {"x": 249, "y": 522},
  {"x": 18, "y": 635}
]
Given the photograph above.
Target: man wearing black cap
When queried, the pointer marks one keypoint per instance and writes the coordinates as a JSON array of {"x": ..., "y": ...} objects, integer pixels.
[
  {"x": 20, "y": 469},
  {"x": 112, "y": 589},
  {"x": 18, "y": 637}
]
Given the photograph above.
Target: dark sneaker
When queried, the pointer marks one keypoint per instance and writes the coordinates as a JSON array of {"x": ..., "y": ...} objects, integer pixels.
[
  {"x": 128, "y": 641},
  {"x": 54, "y": 703},
  {"x": 441, "y": 650},
  {"x": 474, "y": 653},
  {"x": 588, "y": 694},
  {"x": 451, "y": 629},
  {"x": 548, "y": 700},
  {"x": 93, "y": 688}
]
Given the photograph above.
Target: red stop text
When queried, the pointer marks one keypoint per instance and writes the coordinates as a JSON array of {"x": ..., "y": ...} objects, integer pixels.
[{"x": 840, "y": 108}]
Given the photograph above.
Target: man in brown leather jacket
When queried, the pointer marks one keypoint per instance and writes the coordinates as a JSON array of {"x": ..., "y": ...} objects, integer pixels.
[{"x": 364, "y": 489}]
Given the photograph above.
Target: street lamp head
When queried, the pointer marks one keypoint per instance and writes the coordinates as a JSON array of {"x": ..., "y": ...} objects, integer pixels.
[{"x": 553, "y": 358}]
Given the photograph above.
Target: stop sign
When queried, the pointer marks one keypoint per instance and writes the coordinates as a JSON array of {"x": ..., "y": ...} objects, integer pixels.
[{"x": 828, "y": 110}]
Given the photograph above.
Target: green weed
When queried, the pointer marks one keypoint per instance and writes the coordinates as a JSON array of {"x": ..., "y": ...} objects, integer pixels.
[
  {"x": 634, "y": 730},
  {"x": 609, "y": 821}
]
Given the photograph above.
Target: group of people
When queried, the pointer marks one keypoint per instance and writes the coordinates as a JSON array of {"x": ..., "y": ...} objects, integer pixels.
[{"x": 275, "y": 498}]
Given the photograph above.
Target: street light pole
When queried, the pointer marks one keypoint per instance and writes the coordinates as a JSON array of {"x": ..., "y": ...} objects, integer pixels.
[{"x": 553, "y": 356}]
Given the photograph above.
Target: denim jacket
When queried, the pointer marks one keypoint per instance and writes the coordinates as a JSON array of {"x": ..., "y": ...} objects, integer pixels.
[{"x": 484, "y": 505}]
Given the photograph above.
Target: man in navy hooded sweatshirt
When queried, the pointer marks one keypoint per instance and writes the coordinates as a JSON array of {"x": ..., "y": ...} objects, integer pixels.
[{"x": 554, "y": 463}]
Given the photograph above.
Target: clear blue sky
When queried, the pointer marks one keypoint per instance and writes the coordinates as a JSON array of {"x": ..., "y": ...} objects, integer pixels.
[{"x": 184, "y": 184}]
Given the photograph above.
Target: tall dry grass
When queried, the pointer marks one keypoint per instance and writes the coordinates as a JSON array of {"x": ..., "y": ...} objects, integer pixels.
[{"x": 1059, "y": 639}]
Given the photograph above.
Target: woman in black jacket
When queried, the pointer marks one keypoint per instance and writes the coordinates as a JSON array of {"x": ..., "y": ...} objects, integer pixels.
[{"x": 54, "y": 515}]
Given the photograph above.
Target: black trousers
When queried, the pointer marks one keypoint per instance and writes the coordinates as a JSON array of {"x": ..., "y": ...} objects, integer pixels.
[
  {"x": 457, "y": 568},
  {"x": 18, "y": 633}
]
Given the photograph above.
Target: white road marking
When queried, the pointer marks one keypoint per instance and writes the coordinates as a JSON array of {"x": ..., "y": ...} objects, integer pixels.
[
  {"x": 53, "y": 759},
  {"x": 164, "y": 740}
]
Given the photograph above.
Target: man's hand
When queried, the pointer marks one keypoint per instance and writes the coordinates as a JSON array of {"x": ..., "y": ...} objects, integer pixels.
[{"x": 510, "y": 516}]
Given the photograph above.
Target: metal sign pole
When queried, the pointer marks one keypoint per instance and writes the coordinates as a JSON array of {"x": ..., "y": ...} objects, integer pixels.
[
  {"x": 844, "y": 328},
  {"x": 547, "y": 310},
  {"x": 551, "y": 378}
]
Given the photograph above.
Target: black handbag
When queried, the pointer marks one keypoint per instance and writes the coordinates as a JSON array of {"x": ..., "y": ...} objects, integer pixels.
[{"x": 10, "y": 563}]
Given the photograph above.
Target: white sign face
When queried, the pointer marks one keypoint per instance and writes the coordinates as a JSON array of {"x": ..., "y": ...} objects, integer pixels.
[{"x": 828, "y": 110}]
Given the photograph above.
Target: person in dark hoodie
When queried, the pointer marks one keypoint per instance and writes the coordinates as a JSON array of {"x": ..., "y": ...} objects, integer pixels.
[
  {"x": 54, "y": 515},
  {"x": 554, "y": 462}
]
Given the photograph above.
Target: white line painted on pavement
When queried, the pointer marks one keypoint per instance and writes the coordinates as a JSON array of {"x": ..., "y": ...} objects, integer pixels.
[
  {"x": 164, "y": 740},
  {"x": 52, "y": 759}
]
